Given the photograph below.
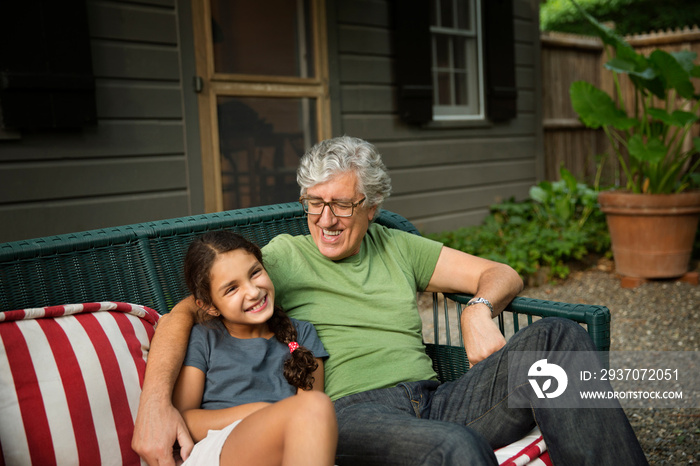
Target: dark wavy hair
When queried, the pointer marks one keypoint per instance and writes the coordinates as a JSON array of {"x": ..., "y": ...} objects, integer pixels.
[{"x": 200, "y": 257}]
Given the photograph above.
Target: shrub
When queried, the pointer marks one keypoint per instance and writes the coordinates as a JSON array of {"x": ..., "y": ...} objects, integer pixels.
[
  {"x": 629, "y": 16},
  {"x": 559, "y": 223}
]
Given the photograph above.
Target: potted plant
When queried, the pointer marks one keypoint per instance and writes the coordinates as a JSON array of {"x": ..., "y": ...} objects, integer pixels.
[{"x": 653, "y": 219}]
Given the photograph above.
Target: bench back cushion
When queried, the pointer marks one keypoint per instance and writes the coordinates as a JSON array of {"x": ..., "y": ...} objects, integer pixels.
[{"x": 70, "y": 381}]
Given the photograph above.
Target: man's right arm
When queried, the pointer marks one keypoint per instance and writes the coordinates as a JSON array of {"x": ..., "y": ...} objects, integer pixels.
[{"x": 158, "y": 423}]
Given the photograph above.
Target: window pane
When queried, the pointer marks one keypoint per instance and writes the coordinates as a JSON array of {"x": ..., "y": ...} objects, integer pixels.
[
  {"x": 442, "y": 50},
  {"x": 444, "y": 93},
  {"x": 460, "y": 60},
  {"x": 460, "y": 83},
  {"x": 261, "y": 141},
  {"x": 270, "y": 38},
  {"x": 446, "y": 14},
  {"x": 433, "y": 12},
  {"x": 463, "y": 15}
]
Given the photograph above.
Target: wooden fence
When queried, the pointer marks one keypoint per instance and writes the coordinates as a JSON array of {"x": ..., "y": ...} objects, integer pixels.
[{"x": 567, "y": 58}]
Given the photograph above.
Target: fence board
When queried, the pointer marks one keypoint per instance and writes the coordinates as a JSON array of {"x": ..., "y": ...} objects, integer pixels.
[{"x": 567, "y": 58}]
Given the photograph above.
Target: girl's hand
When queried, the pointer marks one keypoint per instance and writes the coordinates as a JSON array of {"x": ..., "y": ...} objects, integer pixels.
[{"x": 201, "y": 421}]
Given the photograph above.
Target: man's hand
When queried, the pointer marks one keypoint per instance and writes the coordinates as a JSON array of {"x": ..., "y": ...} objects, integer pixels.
[
  {"x": 481, "y": 334},
  {"x": 158, "y": 425}
]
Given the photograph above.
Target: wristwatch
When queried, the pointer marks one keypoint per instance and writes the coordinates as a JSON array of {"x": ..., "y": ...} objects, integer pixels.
[{"x": 480, "y": 301}]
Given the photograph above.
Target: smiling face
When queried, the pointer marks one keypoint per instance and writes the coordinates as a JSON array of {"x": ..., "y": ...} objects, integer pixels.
[
  {"x": 242, "y": 293},
  {"x": 339, "y": 237}
]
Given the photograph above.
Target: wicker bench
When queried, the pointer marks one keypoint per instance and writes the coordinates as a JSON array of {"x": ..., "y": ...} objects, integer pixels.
[{"x": 141, "y": 263}]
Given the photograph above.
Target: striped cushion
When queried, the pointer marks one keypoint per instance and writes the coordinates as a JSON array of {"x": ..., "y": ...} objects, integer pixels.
[
  {"x": 531, "y": 450},
  {"x": 70, "y": 380}
]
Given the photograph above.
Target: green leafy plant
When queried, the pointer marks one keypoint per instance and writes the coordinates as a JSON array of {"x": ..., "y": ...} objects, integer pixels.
[
  {"x": 565, "y": 201},
  {"x": 629, "y": 16},
  {"x": 558, "y": 224},
  {"x": 652, "y": 127}
]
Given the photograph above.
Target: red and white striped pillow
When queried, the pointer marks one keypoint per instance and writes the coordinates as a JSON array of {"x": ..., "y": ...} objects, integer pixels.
[
  {"x": 70, "y": 381},
  {"x": 531, "y": 450}
]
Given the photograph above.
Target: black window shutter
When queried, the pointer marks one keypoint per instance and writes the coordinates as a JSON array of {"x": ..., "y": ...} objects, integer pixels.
[
  {"x": 412, "y": 60},
  {"x": 499, "y": 57},
  {"x": 46, "y": 78}
]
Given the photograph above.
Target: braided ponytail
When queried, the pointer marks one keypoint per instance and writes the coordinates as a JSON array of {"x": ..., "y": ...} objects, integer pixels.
[{"x": 299, "y": 367}]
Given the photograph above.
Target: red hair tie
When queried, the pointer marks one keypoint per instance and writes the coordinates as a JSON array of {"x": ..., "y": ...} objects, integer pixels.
[{"x": 292, "y": 346}]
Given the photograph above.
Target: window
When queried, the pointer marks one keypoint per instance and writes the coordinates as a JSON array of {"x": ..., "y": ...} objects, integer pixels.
[
  {"x": 455, "y": 61},
  {"x": 457, "y": 69}
]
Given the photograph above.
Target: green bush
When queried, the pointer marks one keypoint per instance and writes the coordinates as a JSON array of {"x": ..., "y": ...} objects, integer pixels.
[
  {"x": 629, "y": 16},
  {"x": 558, "y": 224}
]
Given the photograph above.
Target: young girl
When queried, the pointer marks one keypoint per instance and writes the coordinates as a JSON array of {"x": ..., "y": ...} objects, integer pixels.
[{"x": 248, "y": 367}]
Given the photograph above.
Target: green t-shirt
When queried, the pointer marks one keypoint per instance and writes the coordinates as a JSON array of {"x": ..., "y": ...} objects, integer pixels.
[{"x": 363, "y": 307}]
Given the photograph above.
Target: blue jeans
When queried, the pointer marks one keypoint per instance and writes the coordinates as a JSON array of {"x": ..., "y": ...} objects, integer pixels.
[{"x": 462, "y": 422}]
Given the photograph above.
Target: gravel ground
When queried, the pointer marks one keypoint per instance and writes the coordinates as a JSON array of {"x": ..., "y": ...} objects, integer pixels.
[{"x": 656, "y": 316}]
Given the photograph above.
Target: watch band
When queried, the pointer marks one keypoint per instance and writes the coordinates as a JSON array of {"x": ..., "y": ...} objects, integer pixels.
[{"x": 480, "y": 301}]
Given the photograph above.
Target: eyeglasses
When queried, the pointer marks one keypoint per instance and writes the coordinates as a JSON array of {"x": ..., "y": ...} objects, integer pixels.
[{"x": 314, "y": 206}]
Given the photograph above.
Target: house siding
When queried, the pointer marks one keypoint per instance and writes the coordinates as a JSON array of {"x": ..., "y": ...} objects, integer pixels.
[
  {"x": 142, "y": 161},
  {"x": 443, "y": 178},
  {"x": 130, "y": 167}
]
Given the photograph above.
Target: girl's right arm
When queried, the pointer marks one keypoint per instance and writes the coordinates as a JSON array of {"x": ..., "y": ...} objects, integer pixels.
[{"x": 187, "y": 398}]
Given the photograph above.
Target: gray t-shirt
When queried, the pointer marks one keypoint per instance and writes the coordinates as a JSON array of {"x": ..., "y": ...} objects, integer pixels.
[{"x": 240, "y": 371}]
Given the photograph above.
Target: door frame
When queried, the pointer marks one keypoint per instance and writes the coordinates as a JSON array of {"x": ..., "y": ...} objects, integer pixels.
[{"x": 210, "y": 85}]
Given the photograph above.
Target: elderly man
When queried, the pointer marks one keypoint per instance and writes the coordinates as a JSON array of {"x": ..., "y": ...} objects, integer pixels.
[{"x": 356, "y": 282}]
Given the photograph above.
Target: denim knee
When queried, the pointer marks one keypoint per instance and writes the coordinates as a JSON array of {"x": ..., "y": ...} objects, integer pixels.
[{"x": 558, "y": 333}]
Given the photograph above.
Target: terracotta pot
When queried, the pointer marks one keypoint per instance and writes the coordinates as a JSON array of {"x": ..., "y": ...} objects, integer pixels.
[{"x": 652, "y": 235}]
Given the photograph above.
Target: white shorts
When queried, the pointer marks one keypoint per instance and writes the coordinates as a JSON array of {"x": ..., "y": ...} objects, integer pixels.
[{"x": 207, "y": 451}]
